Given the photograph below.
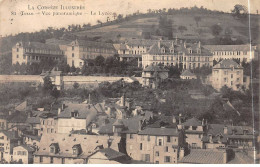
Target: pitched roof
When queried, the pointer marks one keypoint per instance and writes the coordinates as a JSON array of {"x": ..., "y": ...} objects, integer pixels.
[
  {"x": 227, "y": 64},
  {"x": 111, "y": 154},
  {"x": 159, "y": 131},
  {"x": 154, "y": 68},
  {"x": 192, "y": 122},
  {"x": 228, "y": 47},
  {"x": 17, "y": 117},
  {"x": 10, "y": 134},
  {"x": 88, "y": 143},
  {"x": 93, "y": 44},
  {"x": 84, "y": 111},
  {"x": 39, "y": 45},
  {"x": 204, "y": 156},
  {"x": 26, "y": 147},
  {"x": 187, "y": 73},
  {"x": 120, "y": 46}
]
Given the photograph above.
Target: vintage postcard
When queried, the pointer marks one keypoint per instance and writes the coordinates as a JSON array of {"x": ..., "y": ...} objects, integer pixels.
[{"x": 129, "y": 81}]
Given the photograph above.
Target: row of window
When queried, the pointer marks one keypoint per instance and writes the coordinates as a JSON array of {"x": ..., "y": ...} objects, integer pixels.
[
  {"x": 146, "y": 158},
  {"x": 48, "y": 122},
  {"x": 229, "y": 53}
]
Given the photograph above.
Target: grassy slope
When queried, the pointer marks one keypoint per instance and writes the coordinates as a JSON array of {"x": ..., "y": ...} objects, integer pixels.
[{"x": 133, "y": 28}]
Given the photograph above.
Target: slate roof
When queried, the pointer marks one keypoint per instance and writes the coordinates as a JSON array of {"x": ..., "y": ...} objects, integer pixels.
[
  {"x": 192, "y": 122},
  {"x": 228, "y": 47},
  {"x": 227, "y": 64},
  {"x": 17, "y": 117},
  {"x": 84, "y": 111},
  {"x": 154, "y": 68},
  {"x": 35, "y": 118},
  {"x": 88, "y": 143},
  {"x": 159, "y": 131},
  {"x": 187, "y": 73},
  {"x": 111, "y": 154},
  {"x": 10, "y": 134},
  {"x": 93, "y": 44},
  {"x": 218, "y": 129},
  {"x": 39, "y": 45},
  {"x": 55, "y": 41},
  {"x": 204, "y": 156},
  {"x": 120, "y": 46}
]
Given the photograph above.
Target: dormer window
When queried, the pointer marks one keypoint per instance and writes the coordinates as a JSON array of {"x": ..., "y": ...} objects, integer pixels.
[
  {"x": 54, "y": 148},
  {"x": 75, "y": 113},
  {"x": 77, "y": 149}
]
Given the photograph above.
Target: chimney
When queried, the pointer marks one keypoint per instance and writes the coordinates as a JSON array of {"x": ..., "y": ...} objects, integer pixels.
[
  {"x": 123, "y": 100},
  {"x": 184, "y": 44},
  {"x": 225, "y": 158},
  {"x": 62, "y": 107},
  {"x": 180, "y": 119},
  {"x": 89, "y": 99},
  {"x": 174, "y": 120},
  {"x": 159, "y": 44},
  {"x": 181, "y": 154},
  {"x": 19, "y": 142},
  {"x": 225, "y": 130},
  {"x": 199, "y": 45},
  {"x": 10, "y": 113},
  {"x": 203, "y": 122},
  {"x": 210, "y": 138},
  {"x": 59, "y": 111},
  {"x": 140, "y": 125}
]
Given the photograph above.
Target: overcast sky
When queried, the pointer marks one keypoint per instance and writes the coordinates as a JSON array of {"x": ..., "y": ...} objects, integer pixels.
[{"x": 13, "y": 24}]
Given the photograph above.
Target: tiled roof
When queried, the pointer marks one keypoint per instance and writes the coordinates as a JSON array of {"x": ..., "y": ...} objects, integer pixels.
[
  {"x": 192, "y": 122},
  {"x": 204, "y": 156},
  {"x": 227, "y": 64},
  {"x": 159, "y": 131},
  {"x": 111, "y": 154},
  {"x": 187, "y": 73},
  {"x": 154, "y": 68},
  {"x": 228, "y": 47},
  {"x": 88, "y": 143}
]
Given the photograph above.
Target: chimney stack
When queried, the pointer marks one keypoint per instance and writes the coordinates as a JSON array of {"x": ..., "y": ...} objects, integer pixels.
[
  {"x": 199, "y": 44},
  {"x": 225, "y": 130},
  {"x": 159, "y": 44},
  {"x": 174, "y": 120},
  {"x": 59, "y": 111},
  {"x": 184, "y": 44},
  {"x": 123, "y": 100}
]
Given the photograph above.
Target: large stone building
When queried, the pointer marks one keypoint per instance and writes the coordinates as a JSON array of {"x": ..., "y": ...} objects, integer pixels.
[
  {"x": 30, "y": 52},
  {"x": 79, "y": 51},
  {"x": 241, "y": 52},
  {"x": 72, "y": 148},
  {"x": 169, "y": 53},
  {"x": 227, "y": 72}
]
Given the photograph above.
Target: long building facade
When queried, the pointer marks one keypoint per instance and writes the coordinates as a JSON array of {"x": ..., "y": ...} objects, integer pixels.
[
  {"x": 174, "y": 53},
  {"x": 30, "y": 52}
]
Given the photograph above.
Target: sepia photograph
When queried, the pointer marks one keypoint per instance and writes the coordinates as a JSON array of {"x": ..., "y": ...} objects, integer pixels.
[{"x": 129, "y": 82}]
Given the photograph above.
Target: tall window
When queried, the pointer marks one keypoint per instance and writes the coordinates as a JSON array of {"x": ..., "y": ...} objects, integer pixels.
[
  {"x": 166, "y": 149},
  {"x": 141, "y": 146},
  {"x": 157, "y": 154},
  {"x": 72, "y": 55},
  {"x": 51, "y": 160},
  {"x": 72, "y": 47},
  {"x": 160, "y": 142},
  {"x": 17, "y": 56},
  {"x": 168, "y": 138},
  {"x": 41, "y": 159},
  {"x": 167, "y": 159},
  {"x": 17, "y": 49},
  {"x": 148, "y": 138}
]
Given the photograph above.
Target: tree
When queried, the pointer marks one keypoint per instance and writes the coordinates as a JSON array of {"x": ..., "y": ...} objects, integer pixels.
[
  {"x": 47, "y": 84},
  {"x": 99, "y": 60},
  {"x": 216, "y": 30},
  {"x": 197, "y": 19},
  {"x": 182, "y": 29},
  {"x": 76, "y": 85},
  {"x": 55, "y": 93},
  {"x": 239, "y": 11}
]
